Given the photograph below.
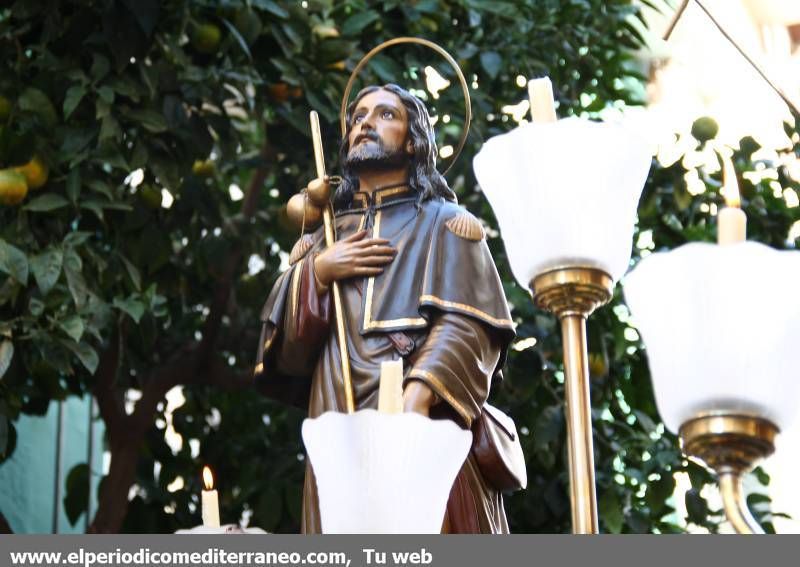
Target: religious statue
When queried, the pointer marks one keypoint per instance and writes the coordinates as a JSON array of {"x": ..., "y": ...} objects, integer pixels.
[{"x": 417, "y": 284}]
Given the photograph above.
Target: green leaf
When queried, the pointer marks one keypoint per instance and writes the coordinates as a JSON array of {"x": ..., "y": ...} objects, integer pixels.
[
  {"x": 358, "y": 22},
  {"x": 271, "y": 7},
  {"x": 73, "y": 98},
  {"x": 133, "y": 272},
  {"x": 491, "y": 63},
  {"x": 100, "y": 66},
  {"x": 74, "y": 184},
  {"x": 696, "y": 506},
  {"x": 549, "y": 425},
  {"x": 35, "y": 307},
  {"x": 100, "y": 186},
  {"x": 46, "y": 202},
  {"x": 9, "y": 291},
  {"x": 131, "y": 306},
  {"x": 95, "y": 207},
  {"x": 610, "y": 510},
  {"x": 6, "y": 354},
  {"x": 85, "y": 354},
  {"x": 109, "y": 129},
  {"x": 504, "y": 9},
  {"x": 761, "y": 475},
  {"x": 35, "y": 101},
  {"x": 13, "y": 262},
  {"x": 645, "y": 421},
  {"x": 77, "y": 238},
  {"x": 4, "y": 423},
  {"x": 73, "y": 269},
  {"x": 239, "y": 39},
  {"x": 46, "y": 268},
  {"x": 150, "y": 120},
  {"x": 73, "y": 327},
  {"x": 386, "y": 68},
  {"x": 76, "y": 499},
  {"x": 106, "y": 93}
]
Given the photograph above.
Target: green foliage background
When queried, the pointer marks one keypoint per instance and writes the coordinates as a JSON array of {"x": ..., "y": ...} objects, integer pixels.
[{"x": 104, "y": 291}]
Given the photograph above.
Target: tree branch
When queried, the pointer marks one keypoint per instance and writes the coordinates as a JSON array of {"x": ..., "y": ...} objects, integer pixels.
[
  {"x": 104, "y": 391},
  {"x": 5, "y": 527},
  {"x": 180, "y": 369},
  {"x": 220, "y": 375},
  {"x": 222, "y": 290}
]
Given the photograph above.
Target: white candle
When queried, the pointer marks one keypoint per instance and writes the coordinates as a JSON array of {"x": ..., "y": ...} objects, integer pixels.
[
  {"x": 540, "y": 93},
  {"x": 210, "y": 501},
  {"x": 390, "y": 389},
  {"x": 731, "y": 225},
  {"x": 731, "y": 220}
]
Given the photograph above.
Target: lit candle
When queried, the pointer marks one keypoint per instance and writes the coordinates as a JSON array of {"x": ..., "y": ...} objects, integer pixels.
[
  {"x": 731, "y": 219},
  {"x": 390, "y": 389},
  {"x": 540, "y": 93},
  {"x": 210, "y": 501}
]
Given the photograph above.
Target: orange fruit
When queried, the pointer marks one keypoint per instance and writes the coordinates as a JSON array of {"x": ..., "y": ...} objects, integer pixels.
[
  {"x": 13, "y": 187},
  {"x": 151, "y": 196},
  {"x": 324, "y": 31},
  {"x": 35, "y": 171},
  {"x": 598, "y": 365},
  {"x": 206, "y": 38},
  {"x": 705, "y": 129},
  {"x": 279, "y": 92},
  {"x": 203, "y": 168}
]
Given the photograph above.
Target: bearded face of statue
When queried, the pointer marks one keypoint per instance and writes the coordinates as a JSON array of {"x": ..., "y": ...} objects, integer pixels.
[
  {"x": 389, "y": 128},
  {"x": 378, "y": 137}
]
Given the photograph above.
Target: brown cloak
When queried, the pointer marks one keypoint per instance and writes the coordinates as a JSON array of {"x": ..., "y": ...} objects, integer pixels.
[{"x": 439, "y": 305}]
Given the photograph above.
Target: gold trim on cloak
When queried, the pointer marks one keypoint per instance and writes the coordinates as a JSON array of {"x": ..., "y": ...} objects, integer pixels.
[
  {"x": 298, "y": 268},
  {"x": 370, "y": 324},
  {"x": 440, "y": 389},
  {"x": 468, "y": 309}
]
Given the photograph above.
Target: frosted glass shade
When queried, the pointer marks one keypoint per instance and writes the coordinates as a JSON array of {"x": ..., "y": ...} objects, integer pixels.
[
  {"x": 775, "y": 12},
  {"x": 564, "y": 193},
  {"x": 721, "y": 325},
  {"x": 384, "y": 473}
]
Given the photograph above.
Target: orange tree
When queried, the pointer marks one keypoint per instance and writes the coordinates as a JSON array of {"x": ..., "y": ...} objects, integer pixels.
[{"x": 170, "y": 135}]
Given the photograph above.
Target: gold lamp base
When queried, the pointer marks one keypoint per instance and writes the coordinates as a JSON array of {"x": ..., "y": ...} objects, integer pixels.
[
  {"x": 572, "y": 290},
  {"x": 572, "y": 294},
  {"x": 730, "y": 444}
]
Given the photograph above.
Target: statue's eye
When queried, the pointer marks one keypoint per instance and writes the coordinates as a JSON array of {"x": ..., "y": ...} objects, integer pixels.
[
  {"x": 358, "y": 118},
  {"x": 387, "y": 115}
]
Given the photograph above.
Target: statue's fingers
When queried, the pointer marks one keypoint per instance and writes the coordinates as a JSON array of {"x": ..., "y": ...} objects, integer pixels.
[
  {"x": 375, "y": 260},
  {"x": 377, "y": 251},
  {"x": 367, "y": 271},
  {"x": 358, "y": 235}
]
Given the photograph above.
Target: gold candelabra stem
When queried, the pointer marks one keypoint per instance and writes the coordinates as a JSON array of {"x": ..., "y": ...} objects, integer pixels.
[
  {"x": 735, "y": 504},
  {"x": 730, "y": 444},
  {"x": 572, "y": 294}
]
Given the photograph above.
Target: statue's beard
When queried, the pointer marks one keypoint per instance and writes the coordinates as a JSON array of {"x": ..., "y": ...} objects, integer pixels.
[{"x": 374, "y": 155}]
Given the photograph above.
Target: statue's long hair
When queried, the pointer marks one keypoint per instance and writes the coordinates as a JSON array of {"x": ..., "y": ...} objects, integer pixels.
[{"x": 423, "y": 177}]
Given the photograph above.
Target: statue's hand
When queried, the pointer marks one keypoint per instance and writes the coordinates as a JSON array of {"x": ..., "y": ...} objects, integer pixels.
[
  {"x": 418, "y": 397},
  {"x": 354, "y": 256}
]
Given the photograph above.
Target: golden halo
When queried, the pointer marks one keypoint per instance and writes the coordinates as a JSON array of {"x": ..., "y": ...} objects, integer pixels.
[{"x": 438, "y": 49}]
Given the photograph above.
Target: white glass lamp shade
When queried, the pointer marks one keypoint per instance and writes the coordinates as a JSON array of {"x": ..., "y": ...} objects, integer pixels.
[
  {"x": 384, "y": 473},
  {"x": 721, "y": 327},
  {"x": 775, "y": 12},
  {"x": 565, "y": 194}
]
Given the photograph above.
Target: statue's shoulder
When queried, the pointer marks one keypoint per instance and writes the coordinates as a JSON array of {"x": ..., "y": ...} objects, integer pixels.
[
  {"x": 301, "y": 248},
  {"x": 307, "y": 242},
  {"x": 460, "y": 222}
]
